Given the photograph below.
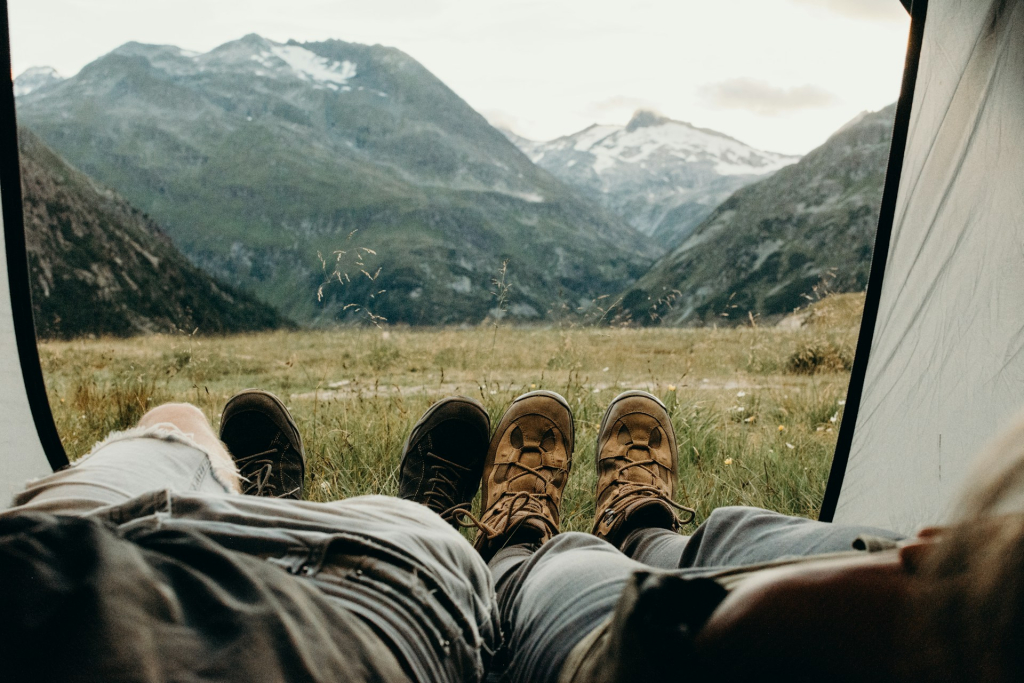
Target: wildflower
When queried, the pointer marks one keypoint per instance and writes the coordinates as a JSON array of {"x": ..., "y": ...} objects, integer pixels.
[
  {"x": 782, "y": 428},
  {"x": 604, "y": 370},
  {"x": 533, "y": 386},
  {"x": 737, "y": 409},
  {"x": 728, "y": 461},
  {"x": 741, "y": 394},
  {"x": 842, "y": 403},
  {"x": 751, "y": 419},
  {"x": 834, "y": 418},
  {"x": 790, "y": 446},
  {"x": 671, "y": 387}
]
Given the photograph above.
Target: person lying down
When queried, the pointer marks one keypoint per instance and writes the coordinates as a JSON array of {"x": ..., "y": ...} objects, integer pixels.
[{"x": 172, "y": 552}]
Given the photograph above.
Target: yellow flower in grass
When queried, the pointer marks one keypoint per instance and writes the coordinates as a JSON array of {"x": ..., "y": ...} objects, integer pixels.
[
  {"x": 728, "y": 461},
  {"x": 782, "y": 428}
]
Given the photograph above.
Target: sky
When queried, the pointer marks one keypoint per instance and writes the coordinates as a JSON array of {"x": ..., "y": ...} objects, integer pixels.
[{"x": 781, "y": 75}]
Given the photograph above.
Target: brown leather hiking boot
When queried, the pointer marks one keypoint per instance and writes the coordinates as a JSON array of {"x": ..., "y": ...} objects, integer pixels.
[
  {"x": 527, "y": 465},
  {"x": 636, "y": 468}
]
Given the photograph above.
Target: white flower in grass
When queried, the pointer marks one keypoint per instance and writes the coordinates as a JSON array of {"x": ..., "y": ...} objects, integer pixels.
[
  {"x": 790, "y": 446},
  {"x": 741, "y": 394}
]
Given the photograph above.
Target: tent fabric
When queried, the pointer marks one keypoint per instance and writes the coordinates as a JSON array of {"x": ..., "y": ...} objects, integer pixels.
[
  {"x": 22, "y": 456},
  {"x": 29, "y": 444},
  {"x": 945, "y": 369}
]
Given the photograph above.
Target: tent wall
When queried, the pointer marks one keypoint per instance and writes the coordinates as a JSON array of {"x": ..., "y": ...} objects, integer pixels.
[
  {"x": 29, "y": 443},
  {"x": 944, "y": 370}
]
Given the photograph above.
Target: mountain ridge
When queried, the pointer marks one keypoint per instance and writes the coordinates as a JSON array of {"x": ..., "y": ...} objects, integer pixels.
[
  {"x": 265, "y": 160},
  {"x": 772, "y": 245},
  {"x": 98, "y": 266}
]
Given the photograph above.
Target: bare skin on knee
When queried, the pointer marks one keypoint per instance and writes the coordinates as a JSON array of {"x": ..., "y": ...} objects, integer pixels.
[{"x": 191, "y": 421}]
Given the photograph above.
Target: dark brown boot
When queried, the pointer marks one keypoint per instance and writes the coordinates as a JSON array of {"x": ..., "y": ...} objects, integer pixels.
[
  {"x": 527, "y": 465},
  {"x": 636, "y": 468},
  {"x": 265, "y": 444},
  {"x": 444, "y": 456}
]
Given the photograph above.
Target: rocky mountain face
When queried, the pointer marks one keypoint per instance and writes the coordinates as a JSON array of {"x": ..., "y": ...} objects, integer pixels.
[
  {"x": 335, "y": 181},
  {"x": 99, "y": 266},
  {"x": 663, "y": 176},
  {"x": 765, "y": 249}
]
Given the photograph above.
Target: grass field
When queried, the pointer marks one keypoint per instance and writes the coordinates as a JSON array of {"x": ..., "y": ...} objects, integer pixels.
[{"x": 756, "y": 410}]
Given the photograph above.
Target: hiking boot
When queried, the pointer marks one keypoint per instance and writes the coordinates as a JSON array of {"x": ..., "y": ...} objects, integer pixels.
[
  {"x": 263, "y": 440},
  {"x": 527, "y": 465},
  {"x": 444, "y": 456},
  {"x": 637, "y": 465}
]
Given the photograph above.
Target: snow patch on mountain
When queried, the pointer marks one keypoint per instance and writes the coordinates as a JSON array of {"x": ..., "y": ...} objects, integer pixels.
[
  {"x": 308, "y": 66},
  {"x": 34, "y": 78}
]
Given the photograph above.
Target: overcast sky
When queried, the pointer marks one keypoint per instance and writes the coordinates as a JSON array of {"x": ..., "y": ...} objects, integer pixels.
[{"x": 778, "y": 74}]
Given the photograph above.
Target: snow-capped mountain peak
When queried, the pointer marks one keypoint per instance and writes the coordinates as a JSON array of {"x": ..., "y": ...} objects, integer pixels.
[
  {"x": 663, "y": 175},
  {"x": 34, "y": 78},
  {"x": 649, "y": 137}
]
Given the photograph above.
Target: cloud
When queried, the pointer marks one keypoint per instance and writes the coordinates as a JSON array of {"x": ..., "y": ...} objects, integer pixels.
[
  {"x": 764, "y": 98},
  {"x": 870, "y": 10}
]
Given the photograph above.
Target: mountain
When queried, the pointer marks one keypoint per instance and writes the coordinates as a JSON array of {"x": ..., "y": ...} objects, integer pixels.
[
  {"x": 766, "y": 248},
  {"x": 99, "y": 266},
  {"x": 335, "y": 180},
  {"x": 35, "y": 78},
  {"x": 664, "y": 176}
]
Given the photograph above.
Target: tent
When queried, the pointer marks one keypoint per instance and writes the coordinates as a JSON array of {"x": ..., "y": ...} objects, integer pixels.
[
  {"x": 939, "y": 359},
  {"x": 939, "y": 368},
  {"x": 29, "y": 444}
]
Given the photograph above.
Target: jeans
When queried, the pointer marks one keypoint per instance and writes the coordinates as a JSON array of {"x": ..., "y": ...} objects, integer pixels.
[
  {"x": 551, "y": 597},
  {"x": 176, "y": 576}
]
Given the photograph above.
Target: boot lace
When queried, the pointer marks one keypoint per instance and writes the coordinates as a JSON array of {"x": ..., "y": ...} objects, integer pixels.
[
  {"x": 257, "y": 471},
  {"x": 443, "y": 492},
  {"x": 632, "y": 489},
  {"x": 518, "y": 507}
]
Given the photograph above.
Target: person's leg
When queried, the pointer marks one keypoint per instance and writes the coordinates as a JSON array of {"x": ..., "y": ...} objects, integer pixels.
[
  {"x": 736, "y": 536},
  {"x": 552, "y": 589},
  {"x": 551, "y": 598},
  {"x": 172, "y": 447},
  {"x": 637, "y": 469}
]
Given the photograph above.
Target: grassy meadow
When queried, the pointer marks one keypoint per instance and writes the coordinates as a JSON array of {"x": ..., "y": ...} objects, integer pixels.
[{"x": 756, "y": 409}]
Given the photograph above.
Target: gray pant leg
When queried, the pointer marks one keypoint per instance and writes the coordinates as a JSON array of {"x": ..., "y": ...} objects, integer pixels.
[
  {"x": 551, "y": 598},
  {"x": 736, "y": 536}
]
